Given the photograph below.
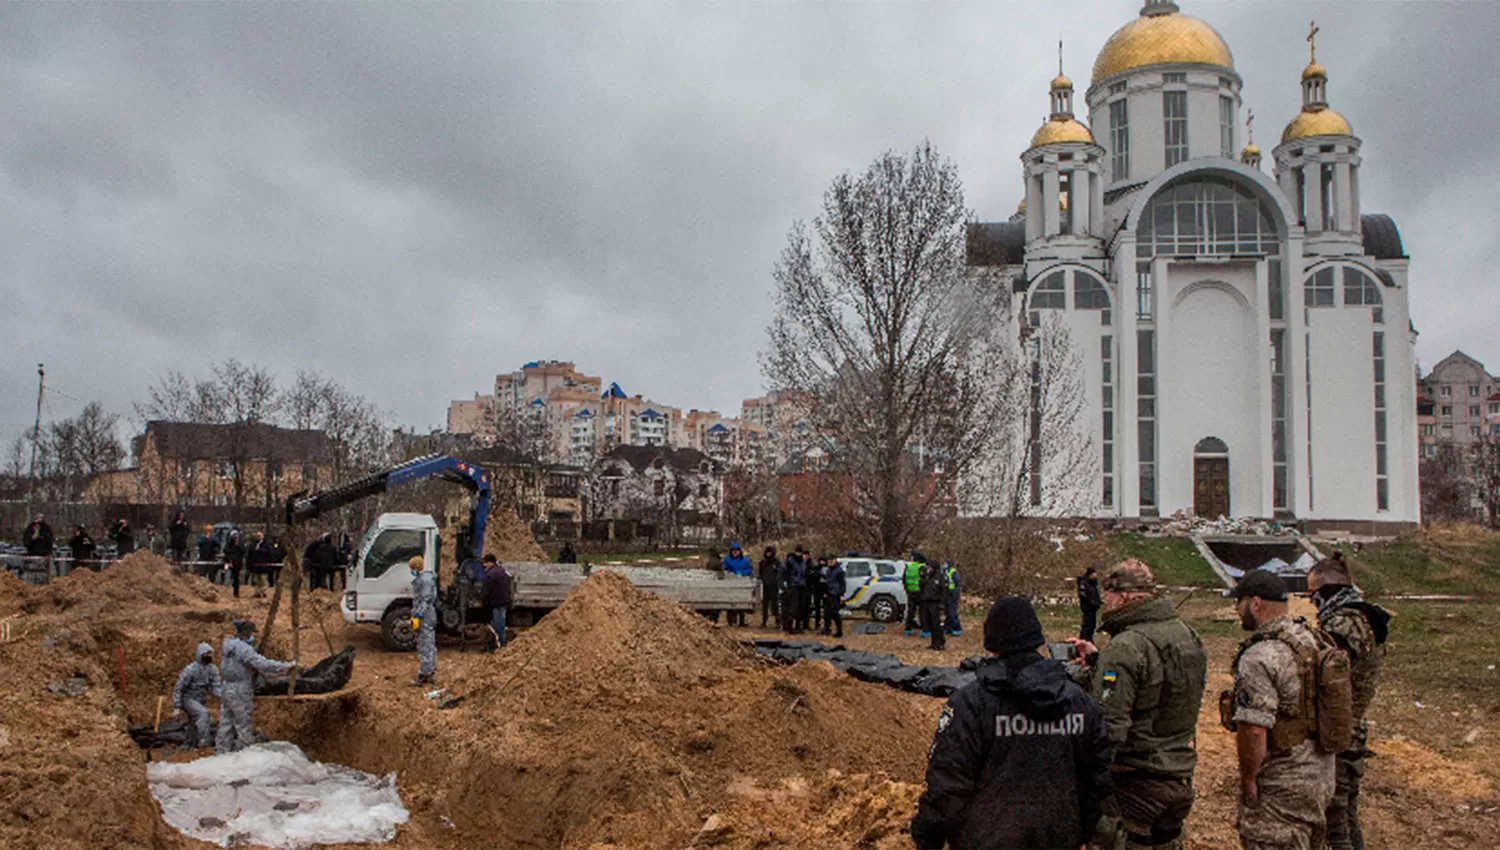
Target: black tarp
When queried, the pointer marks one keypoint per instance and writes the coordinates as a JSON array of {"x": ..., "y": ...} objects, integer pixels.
[
  {"x": 325, "y": 677},
  {"x": 869, "y": 666}
]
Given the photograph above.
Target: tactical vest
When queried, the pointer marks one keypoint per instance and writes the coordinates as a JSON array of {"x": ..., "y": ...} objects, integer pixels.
[
  {"x": 1184, "y": 674},
  {"x": 1325, "y": 710}
]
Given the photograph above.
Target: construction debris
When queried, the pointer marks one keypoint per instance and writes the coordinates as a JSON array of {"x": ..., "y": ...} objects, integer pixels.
[{"x": 1182, "y": 525}]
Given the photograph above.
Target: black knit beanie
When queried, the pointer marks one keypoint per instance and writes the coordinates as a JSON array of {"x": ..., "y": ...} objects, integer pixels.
[{"x": 1011, "y": 627}]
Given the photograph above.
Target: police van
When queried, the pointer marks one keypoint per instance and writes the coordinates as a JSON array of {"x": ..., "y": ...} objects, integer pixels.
[{"x": 874, "y": 587}]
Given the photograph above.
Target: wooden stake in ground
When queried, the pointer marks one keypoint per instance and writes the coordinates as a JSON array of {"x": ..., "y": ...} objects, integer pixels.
[
  {"x": 296, "y": 571},
  {"x": 265, "y": 633}
]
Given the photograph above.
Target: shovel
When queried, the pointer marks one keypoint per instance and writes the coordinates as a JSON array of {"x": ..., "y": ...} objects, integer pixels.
[{"x": 161, "y": 696}]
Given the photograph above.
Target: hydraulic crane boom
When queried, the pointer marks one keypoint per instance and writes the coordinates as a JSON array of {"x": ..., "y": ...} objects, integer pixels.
[{"x": 301, "y": 508}]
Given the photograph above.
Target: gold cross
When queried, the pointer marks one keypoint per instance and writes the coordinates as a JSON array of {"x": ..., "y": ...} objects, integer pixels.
[
  {"x": 1312, "y": 42},
  {"x": 1250, "y": 126},
  {"x": 1059, "y": 57}
]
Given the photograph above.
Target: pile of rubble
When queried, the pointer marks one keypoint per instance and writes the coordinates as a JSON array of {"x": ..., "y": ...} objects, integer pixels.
[{"x": 1181, "y": 525}]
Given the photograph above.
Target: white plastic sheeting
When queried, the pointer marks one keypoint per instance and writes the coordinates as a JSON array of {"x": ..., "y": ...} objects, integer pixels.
[{"x": 272, "y": 795}]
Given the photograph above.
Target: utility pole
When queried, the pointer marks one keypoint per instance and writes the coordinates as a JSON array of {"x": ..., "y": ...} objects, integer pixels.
[{"x": 36, "y": 436}]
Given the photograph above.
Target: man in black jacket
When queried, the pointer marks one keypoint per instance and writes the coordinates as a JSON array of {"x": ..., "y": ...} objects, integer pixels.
[
  {"x": 123, "y": 538},
  {"x": 177, "y": 537},
  {"x": 934, "y": 593},
  {"x": 1021, "y": 756},
  {"x": 208, "y": 553},
  {"x": 496, "y": 594},
  {"x": 38, "y": 538},
  {"x": 1089, "y": 600},
  {"x": 769, "y": 572},
  {"x": 82, "y": 545},
  {"x": 235, "y": 553}
]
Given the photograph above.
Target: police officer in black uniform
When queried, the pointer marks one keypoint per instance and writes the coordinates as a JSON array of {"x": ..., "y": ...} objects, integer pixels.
[{"x": 1021, "y": 756}]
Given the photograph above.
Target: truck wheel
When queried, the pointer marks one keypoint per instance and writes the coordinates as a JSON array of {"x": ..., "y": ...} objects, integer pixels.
[
  {"x": 395, "y": 629},
  {"x": 884, "y": 609}
]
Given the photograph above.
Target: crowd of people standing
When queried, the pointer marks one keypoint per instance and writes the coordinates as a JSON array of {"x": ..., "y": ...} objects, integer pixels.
[{"x": 232, "y": 556}]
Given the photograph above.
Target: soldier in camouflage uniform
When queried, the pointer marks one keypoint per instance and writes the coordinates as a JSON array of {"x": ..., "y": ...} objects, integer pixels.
[
  {"x": 1360, "y": 629},
  {"x": 1149, "y": 680},
  {"x": 1285, "y": 782}
]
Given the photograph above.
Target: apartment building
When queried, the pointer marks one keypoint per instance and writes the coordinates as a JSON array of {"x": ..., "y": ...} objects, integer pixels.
[{"x": 1464, "y": 402}]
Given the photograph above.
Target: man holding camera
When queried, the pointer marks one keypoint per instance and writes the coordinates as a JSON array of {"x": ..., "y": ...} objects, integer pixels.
[{"x": 1149, "y": 680}]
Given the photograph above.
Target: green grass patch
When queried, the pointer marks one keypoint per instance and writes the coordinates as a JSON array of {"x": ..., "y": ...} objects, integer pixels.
[
  {"x": 1431, "y": 561},
  {"x": 1174, "y": 560}
]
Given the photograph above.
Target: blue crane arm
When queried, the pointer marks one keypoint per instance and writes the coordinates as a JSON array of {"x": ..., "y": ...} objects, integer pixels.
[{"x": 302, "y": 508}]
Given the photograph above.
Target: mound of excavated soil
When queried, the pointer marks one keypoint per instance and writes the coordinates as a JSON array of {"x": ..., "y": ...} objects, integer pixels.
[
  {"x": 625, "y": 719},
  {"x": 139, "y": 581},
  {"x": 505, "y": 536},
  {"x": 69, "y": 774}
]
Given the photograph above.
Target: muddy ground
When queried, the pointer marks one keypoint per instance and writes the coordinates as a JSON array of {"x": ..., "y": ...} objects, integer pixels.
[{"x": 619, "y": 720}]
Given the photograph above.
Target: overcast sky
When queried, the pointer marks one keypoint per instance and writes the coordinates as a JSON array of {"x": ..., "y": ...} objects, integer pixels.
[{"x": 413, "y": 197}]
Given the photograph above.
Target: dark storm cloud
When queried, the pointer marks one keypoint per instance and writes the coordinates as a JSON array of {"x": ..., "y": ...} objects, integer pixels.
[{"x": 414, "y": 197}]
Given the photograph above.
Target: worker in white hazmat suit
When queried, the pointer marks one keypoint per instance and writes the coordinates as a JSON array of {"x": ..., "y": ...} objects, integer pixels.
[
  {"x": 197, "y": 682},
  {"x": 237, "y": 703},
  {"x": 424, "y": 620}
]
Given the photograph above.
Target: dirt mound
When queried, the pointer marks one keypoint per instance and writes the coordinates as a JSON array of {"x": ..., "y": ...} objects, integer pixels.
[
  {"x": 69, "y": 774},
  {"x": 608, "y": 638},
  {"x": 507, "y": 538},
  {"x": 138, "y": 581},
  {"x": 625, "y": 719}
]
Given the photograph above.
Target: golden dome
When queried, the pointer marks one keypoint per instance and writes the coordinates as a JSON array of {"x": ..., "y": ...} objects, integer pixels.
[
  {"x": 1314, "y": 71},
  {"x": 1321, "y": 122},
  {"x": 1251, "y": 149},
  {"x": 1021, "y": 207},
  {"x": 1161, "y": 40},
  {"x": 1061, "y": 82},
  {"x": 1060, "y": 129}
]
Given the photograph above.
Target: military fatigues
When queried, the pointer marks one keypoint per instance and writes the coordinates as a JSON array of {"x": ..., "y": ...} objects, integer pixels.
[
  {"x": 195, "y": 685},
  {"x": 1149, "y": 680},
  {"x": 424, "y": 608},
  {"x": 1295, "y": 784},
  {"x": 1349, "y": 624},
  {"x": 237, "y": 704}
]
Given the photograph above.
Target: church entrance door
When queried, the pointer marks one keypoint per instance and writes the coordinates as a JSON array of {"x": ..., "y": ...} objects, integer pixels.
[
  {"x": 1211, "y": 478},
  {"x": 1211, "y": 486}
]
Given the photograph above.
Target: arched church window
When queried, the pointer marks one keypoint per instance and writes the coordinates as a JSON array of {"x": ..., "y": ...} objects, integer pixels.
[
  {"x": 1089, "y": 292},
  {"x": 1361, "y": 290},
  {"x": 1201, "y": 216},
  {"x": 1051, "y": 293},
  {"x": 1318, "y": 291},
  {"x": 1211, "y": 446}
]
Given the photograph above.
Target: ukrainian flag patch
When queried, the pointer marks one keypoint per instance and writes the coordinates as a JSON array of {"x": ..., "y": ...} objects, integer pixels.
[{"x": 1110, "y": 676}]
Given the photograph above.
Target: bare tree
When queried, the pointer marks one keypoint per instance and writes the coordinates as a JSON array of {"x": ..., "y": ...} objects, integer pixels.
[
  {"x": 1446, "y": 493},
  {"x": 15, "y": 457},
  {"x": 891, "y": 338},
  {"x": 79, "y": 448},
  {"x": 176, "y": 398},
  {"x": 527, "y": 431},
  {"x": 1044, "y": 463},
  {"x": 1485, "y": 456}
]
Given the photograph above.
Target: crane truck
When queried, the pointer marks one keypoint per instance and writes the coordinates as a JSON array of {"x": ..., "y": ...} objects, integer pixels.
[{"x": 378, "y": 588}]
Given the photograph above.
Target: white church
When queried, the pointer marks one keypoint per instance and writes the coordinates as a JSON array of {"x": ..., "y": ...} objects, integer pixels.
[{"x": 1246, "y": 338}]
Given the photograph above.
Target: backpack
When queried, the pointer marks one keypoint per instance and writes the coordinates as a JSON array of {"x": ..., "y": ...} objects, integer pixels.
[{"x": 1327, "y": 710}]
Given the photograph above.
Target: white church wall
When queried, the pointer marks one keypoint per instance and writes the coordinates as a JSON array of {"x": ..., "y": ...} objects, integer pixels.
[
  {"x": 1209, "y": 383},
  {"x": 1343, "y": 418},
  {"x": 1084, "y": 327},
  {"x": 1406, "y": 500}
]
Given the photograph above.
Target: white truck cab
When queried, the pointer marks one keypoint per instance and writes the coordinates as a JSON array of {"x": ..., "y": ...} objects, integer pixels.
[
  {"x": 874, "y": 586},
  {"x": 379, "y": 583}
]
